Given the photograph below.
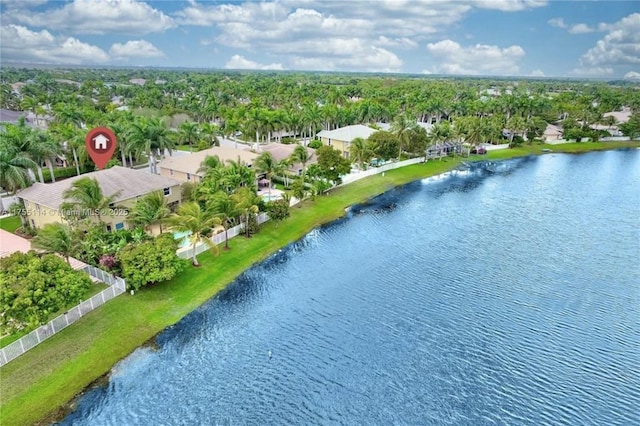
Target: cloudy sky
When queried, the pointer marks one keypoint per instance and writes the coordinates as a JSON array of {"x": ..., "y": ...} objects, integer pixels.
[{"x": 599, "y": 39}]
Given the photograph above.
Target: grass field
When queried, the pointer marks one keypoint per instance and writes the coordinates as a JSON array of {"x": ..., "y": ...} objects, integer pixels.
[
  {"x": 36, "y": 385},
  {"x": 10, "y": 223}
]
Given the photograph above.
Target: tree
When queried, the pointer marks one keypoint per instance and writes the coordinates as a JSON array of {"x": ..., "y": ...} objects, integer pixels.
[
  {"x": 149, "y": 210},
  {"x": 188, "y": 133},
  {"x": 14, "y": 169},
  {"x": 401, "y": 127},
  {"x": 247, "y": 202},
  {"x": 150, "y": 262},
  {"x": 56, "y": 238},
  {"x": 278, "y": 210},
  {"x": 191, "y": 218},
  {"x": 301, "y": 155},
  {"x": 632, "y": 127},
  {"x": 85, "y": 198},
  {"x": 226, "y": 209},
  {"x": 268, "y": 165},
  {"x": 360, "y": 151},
  {"x": 299, "y": 189},
  {"x": 384, "y": 144},
  {"x": 332, "y": 164}
]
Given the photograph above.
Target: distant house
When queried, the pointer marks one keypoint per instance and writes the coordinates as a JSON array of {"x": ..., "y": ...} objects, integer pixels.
[
  {"x": 281, "y": 151},
  {"x": 341, "y": 138},
  {"x": 43, "y": 202},
  {"x": 620, "y": 116},
  {"x": 552, "y": 133},
  {"x": 185, "y": 168}
]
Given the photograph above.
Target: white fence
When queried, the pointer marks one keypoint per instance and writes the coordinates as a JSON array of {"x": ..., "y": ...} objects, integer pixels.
[
  {"x": 117, "y": 286},
  {"x": 376, "y": 170},
  {"x": 615, "y": 139}
]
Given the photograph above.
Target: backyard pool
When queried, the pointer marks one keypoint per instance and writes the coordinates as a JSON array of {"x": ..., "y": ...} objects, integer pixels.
[
  {"x": 272, "y": 197},
  {"x": 182, "y": 238}
]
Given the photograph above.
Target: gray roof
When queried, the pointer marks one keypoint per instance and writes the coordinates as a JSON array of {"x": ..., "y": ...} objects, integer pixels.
[
  {"x": 281, "y": 151},
  {"x": 348, "y": 133},
  {"x": 131, "y": 183}
]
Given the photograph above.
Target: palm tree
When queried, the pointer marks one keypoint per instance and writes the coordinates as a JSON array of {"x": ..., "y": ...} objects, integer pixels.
[
  {"x": 209, "y": 164},
  {"x": 360, "y": 151},
  {"x": 56, "y": 238},
  {"x": 188, "y": 132},
  {"x": 151, "y": 136},
  {"x": 224, "y": 207},
  {"x": 247, "y": 202},
  {"x": 301, "y": 155},
  {"x": 149, "y": 210},
  {"x": 86, "y": 196},
  {"x": 267, "y": 164},
  {"x": 191, "y": 218},
  {"x": 401, "y": 127},
  {"x": 211, "y": 131},
  {"x": 14, "y": 169},
  {"x": 44, "y": 149}
]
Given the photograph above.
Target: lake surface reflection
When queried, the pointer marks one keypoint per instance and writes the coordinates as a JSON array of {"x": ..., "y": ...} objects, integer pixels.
[{"x": 507, "y": 293}]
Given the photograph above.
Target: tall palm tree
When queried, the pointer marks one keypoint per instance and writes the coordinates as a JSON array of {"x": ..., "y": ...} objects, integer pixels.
[
  {"x": 301, "y": 155},
  {"x": 360, "y": 151},
  {"x": 86, "y": 197},
  {"x": 188, "y": 132},
  {"x": 56, "y": 238},
  {"x": 149, "y": 210},
  {"x": 211, "y": 132},
  {"x": 209, "y": 164},
  {"x": 191, "y": 218},
  {"x": 224, "y": 207},
  {"x": 44, "y": 149},
  {"x": 267, "y": 164},
  {"x": 401, "y": 127},
  {"x": 247, "y": 202},
  {"x": 14, "y": 169},
  {"x": 237, "y": 174}
]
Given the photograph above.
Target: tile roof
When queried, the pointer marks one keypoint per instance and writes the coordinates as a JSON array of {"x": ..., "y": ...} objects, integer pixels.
[
  {"x": 192, "y": 162},
  {"x": 131, "y": 183},
  {"x": 281, "y": 151}
]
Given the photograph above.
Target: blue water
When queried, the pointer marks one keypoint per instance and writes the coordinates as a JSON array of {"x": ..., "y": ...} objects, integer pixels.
[
  {"x": 506, "y": 294},
  {"x": 183, "y": 241}
]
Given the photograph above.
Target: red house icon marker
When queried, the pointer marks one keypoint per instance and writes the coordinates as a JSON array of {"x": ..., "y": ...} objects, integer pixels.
[{"x": 101, "y": 144}]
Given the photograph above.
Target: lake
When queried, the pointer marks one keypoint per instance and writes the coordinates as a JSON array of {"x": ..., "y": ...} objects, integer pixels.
[{"x": 500, "y": 293}]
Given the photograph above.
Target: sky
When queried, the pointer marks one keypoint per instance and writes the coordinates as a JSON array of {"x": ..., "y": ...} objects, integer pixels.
[{"x": 538, "y": 38}]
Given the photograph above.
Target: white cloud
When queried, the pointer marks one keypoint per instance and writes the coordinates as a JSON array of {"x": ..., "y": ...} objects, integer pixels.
[
  {"x": 510, "y": 5},
  {"x": 537, "y": 73},
  {"x": 581, "y": 29},
  {"x": 135, "y": 49},
  {"x": 22, "y": 4},
  {"x": 473, "y": 60},
  {"x": 621, "y": 46},
  {"x": 591, "y": 71},
  {"x": 354, "y": 35},
  {"x": 557, "y": 22},
  {"x": 96, "y": 17},
  {"x": 20, "y": 44},
  {"x": 238, "y": 62},
  {"x": 632, "y": 75}
]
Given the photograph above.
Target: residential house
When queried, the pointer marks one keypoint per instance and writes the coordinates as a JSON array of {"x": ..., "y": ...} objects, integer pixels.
[
  {"x": 185, "y": 168},
  {"x": 281, "y": 151},
  {"x": 620, "y": 116},
  {"x": 552, "y": 133},
  {"x": 43, "y": 202},
  {"x": 341, "y": 138}
]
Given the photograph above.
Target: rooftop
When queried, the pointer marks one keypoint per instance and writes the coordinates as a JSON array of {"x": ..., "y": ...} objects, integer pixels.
[
  {"x": 192, "y": 162},
  {"x": 131, "y": 183},
  {"x": 281, "y": 151},
  {"x": 348, "y": 133}
]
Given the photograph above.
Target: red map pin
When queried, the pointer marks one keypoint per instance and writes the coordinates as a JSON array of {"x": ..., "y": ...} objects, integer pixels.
[{"x": 101, "y": 144}]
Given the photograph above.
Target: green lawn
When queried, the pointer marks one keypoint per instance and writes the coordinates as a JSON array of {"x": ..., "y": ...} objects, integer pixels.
[
  {"x": 10, "y": 223},
  {"x": 35, "y": 386}
]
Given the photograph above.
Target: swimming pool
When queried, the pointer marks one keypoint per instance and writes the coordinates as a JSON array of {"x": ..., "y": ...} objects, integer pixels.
[
  {"x": 272, "y": 197},
  {"x": 182, "y": 237}
]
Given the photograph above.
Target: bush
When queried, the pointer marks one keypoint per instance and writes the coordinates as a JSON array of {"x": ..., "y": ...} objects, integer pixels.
[
  {"x": 66, "y": 172},
  {"x": 150, "y": 262},
  {"x": 315, "y": 144},
  {"x": 278, "y": 210},
  {"x": 34, "y": 287}
]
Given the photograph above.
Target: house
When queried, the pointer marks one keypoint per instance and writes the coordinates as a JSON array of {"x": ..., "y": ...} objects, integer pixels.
[
  {"x": 100, "y": 142},
  {"x": 281, "y": 151},
  {"x": 185, "y": 168},
  {"x": 552, "y": 133},
  {"x": 42, "y": 202},
  {"x": 620, "y": 116},
  {"x": 341, "y": 138}
]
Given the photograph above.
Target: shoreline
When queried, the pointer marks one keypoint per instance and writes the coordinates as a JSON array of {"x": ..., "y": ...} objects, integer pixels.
[{"x": 38, "y": 390}]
